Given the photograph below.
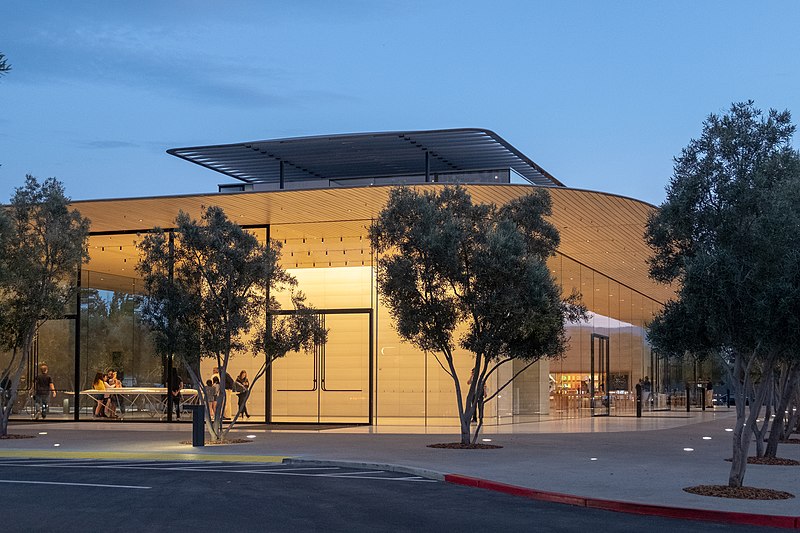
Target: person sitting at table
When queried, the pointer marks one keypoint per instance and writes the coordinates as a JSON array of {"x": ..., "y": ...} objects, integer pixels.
[
  {"x": 111, "y": 403},
  {"x": 99, "y": 384},
  {"x": 113, "y": 400}
]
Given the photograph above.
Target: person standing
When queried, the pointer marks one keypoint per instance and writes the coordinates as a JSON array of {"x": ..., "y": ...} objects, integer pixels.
[
  {"x": 647, "y": 387},
  {"x": 44, "y": 387},
  {"x": 244, "y": 383},
  {"x": 175, "y": 386},
  {"x": 112, "y": 400},
  {"x": 99, "y": 384}
]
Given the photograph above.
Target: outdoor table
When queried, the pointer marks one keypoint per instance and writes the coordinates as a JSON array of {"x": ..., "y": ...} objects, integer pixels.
[{"x": 152, "y": 400}]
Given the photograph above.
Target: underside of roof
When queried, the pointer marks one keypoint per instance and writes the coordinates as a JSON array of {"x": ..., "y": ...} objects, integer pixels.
[
  {"x": 365, "y": 155},
  {"x": 602, "y": 231}
]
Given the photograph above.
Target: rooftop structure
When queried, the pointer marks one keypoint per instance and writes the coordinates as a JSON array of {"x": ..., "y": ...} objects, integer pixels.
[{"x": 466, "y": 155}]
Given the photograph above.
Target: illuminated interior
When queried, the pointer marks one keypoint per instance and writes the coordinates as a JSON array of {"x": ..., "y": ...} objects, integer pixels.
[{"x": 365, "y": 374}]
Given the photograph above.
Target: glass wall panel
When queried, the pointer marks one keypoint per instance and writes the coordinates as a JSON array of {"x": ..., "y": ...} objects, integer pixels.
[
  {"x": 332, "y": 264},
  {"x": 54, "y": 345},
  {"x": 113, "y": 335},
  {"x": 615, "y": 311}
]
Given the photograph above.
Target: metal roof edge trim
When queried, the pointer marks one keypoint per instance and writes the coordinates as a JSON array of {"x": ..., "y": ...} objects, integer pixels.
[{"x": 329, "y": 189}]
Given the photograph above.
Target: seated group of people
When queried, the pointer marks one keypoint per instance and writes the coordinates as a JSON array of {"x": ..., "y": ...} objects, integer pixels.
[{"x": 107, "y": 404}]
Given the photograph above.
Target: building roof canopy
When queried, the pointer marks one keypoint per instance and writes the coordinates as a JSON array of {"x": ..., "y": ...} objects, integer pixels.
[{"x": 601, "y": 231}]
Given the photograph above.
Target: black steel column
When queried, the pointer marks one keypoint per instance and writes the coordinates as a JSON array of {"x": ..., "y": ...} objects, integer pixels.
[
  {"x": 282, "y": 182},
  {"x": 371, "y": 368},
  {"x": 170, "y": 326},
  {"x": 77, "y": 383},
  {"x": 638, "y": 400},
  {"x": 268, "y": 376}
]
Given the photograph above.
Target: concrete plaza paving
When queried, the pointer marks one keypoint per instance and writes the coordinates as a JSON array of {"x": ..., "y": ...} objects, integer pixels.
[{"x": 647, "y": 460}]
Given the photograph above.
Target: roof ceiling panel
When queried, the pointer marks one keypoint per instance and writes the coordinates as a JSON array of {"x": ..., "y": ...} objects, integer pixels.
[{"x": 602, "y": 231}]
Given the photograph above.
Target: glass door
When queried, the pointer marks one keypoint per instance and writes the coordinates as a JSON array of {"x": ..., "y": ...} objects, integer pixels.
[
  {"x": 600, "y": 374},
  {"x": 332, "y": 384}
]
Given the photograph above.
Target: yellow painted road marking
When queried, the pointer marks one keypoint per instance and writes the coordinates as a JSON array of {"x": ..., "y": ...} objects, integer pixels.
[{"x": 157, "y": 456}]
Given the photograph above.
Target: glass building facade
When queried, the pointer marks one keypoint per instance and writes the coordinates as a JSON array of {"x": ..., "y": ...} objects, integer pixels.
[{"x": 364, "y": 374}]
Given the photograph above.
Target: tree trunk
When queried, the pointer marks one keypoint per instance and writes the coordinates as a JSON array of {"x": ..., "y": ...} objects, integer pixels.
[
  {"x": 15, "y": 375},
  {"x": 743, "y": 431},
  {"x": 741, "y": 439},
  {"x": 259, "y": 374},
  {"x": 740, "y": 381},
  {"x": 786, "y": 390},
  {"x": 760, "y": 432},
  {"x": 201, "y": 391},
  {"x": 794, "y": 417}
]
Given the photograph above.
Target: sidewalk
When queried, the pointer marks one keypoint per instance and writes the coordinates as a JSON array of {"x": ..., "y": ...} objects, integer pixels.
[{"x": 642, "y": 461}]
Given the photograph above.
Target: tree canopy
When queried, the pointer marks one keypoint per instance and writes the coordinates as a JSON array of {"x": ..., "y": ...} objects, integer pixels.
[
  {"x": 450, "y": 265},
  {"x": 726, "y": 237},
  {"x": 42, "y": 244},
  {"x": 210, "y": 288},
  {"x": 4, "y": 65}
]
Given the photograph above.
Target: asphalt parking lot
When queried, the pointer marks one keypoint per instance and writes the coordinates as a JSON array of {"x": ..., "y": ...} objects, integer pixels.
[{"x": 81, "y": 495}]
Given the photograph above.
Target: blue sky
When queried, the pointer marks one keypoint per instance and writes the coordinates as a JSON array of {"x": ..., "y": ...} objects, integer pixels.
[{"x": 602, "y": 94}]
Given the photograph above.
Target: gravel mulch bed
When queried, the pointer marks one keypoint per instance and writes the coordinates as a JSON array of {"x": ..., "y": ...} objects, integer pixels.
[
  {"x": 460, "y": 446},
  {"x": 775, "y": 461},
  {"x": 16, "y": 436},
  {"x": 790, "y": 441},
  {"x": 740, "y": 493},
  {"x": 211, "y": 442}
]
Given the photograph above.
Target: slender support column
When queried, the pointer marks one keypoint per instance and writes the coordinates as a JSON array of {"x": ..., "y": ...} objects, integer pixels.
[
  {"x": 76, "y": 401},
  {"x": 282, "y": 182},
  {"x": 268, "y": 376},
  {"x": 170, "y": 327}
]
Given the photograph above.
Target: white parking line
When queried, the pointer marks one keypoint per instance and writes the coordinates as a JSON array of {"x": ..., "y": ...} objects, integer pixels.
[
  {"x": 216, "y": 467},
  {"x": 411, "y": 478},
  {"x": 73, "y": 484},
  {"x": 359, "y": 473}
]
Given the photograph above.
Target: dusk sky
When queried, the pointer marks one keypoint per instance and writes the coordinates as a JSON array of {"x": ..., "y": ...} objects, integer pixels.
[{"x": 601, "y": 94}]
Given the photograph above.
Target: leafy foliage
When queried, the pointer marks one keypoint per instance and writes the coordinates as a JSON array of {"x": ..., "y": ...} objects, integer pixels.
[
  {"x": 209, "y": 297},
  {"x": 42, "y": 244},
  {"x": 726, "y": 235},
  {"x": 450, "y": 264},
  {"x": 4, "y": 65}
]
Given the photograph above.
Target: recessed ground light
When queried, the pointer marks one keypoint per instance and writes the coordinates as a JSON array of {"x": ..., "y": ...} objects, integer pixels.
[
  {"x": 728, "y": 429},
  {"x": 593, "y": 458},
  {"x": 42, "y": 433},
  {"x": 56, "y": 445},
  {"x": 251, "y": 436},
  {"x": 706, "y": 438},
  {"x": 688, "y": 449},
  {"x": 486, "y": 440}
]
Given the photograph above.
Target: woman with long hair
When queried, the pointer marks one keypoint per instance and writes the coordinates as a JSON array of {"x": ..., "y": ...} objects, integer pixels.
[
  {"x": 99, "y": 384},
  {"x": 245, "y": 383}
]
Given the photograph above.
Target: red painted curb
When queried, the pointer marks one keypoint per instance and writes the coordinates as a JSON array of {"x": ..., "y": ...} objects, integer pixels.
[{"x": 787, "y": 522}]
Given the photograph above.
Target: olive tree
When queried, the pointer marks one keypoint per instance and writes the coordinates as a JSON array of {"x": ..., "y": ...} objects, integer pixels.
[
  {"x": 211, "y": 288},
  {"x": 722, "y": 237},
  {"x": 4, "y": 65},
  {"x": 42, "y": 244},
  {"x": 448, "y": 264}
]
